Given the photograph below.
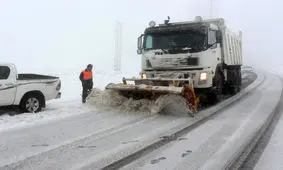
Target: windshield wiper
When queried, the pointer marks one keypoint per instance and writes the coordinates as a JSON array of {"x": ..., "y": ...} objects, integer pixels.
[{"x": 166, "y": 52}]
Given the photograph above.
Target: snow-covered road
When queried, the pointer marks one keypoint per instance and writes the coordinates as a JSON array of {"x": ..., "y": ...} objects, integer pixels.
[
  {"x": 17, "y": 144},
  {"x": 212, "y": 145},
  {"x": 271, "y": 157},
  {"x": 90, "y": 138}
]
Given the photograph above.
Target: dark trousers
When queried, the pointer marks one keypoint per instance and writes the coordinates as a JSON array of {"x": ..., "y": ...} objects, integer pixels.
[{"x": 86, "y": 92}]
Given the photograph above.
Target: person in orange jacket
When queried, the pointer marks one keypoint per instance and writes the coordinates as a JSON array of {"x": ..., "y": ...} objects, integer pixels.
[{"x": 86, "y": 78}]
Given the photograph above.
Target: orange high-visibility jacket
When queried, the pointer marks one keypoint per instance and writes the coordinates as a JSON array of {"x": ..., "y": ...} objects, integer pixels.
[{"x": 87, "y": 75}]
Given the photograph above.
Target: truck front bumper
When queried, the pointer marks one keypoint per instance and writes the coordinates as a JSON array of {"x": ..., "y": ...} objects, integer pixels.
[{"x": 199, "y": 78}]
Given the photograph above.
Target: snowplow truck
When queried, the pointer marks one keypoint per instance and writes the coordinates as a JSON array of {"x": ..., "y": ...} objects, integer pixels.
[{"x": 200, "y": 60}]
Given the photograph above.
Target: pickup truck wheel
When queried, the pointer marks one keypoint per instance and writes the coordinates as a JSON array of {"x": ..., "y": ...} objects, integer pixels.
[{"x": 31, "y": 104}]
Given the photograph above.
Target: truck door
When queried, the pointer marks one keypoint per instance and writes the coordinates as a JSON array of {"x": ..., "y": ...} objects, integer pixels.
[{"x": 7, "y": 86}]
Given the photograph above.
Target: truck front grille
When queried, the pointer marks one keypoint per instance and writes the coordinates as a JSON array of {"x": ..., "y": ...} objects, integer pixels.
[{"x": 191, "y": 62}]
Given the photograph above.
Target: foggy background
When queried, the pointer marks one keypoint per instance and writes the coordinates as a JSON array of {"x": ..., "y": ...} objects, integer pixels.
[{"x": 61, "y": 36}]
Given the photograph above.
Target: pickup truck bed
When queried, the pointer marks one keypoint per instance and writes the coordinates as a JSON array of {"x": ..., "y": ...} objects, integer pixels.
[{"x": 35, "y": 77}]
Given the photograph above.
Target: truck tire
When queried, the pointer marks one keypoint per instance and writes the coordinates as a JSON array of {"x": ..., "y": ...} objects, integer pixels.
[
  {"x": 239, "y": 80},
  {"x": 31, "y": 103},
  {"x": 236, "y": 88},
  {"x": 208, "y": 97},
  {"x": 219, "y": 80},
  {"x": 240, "y": 77},
  {"x": 213, "y": 97}
]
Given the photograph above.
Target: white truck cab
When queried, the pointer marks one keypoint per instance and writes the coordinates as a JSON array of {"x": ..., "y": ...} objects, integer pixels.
[
  {"x": 203, "y": 50},
  {"x": 28, "y": 91}
]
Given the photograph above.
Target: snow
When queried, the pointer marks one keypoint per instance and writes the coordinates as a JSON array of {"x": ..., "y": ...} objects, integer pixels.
[
  {"x": 109, "y": 137},
  {"x": 273, "y": 153},
  {"x": 70, "y": 102},
  {"x": 211, "y": 145},
  {"x": 271, "y": 157},
  {"x": 19, "y": 144},
  {"x": 55, "y": 111},
  {"x": 166, "y": 104},
  {"x": 108, "y": 132},
  {"x": 131, "y": 142}
]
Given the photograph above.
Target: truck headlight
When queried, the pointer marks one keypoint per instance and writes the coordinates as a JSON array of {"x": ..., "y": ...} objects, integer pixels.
[
  {"x": 203, "y": 76},
  {"x": 143, "y": 76}
]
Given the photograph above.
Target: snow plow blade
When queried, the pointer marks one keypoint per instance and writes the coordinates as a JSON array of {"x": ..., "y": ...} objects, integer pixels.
[
  {"x": 144, "y": 86},
  {"x": 124, "y": 88},
  {"x": 141, "y": 90}
]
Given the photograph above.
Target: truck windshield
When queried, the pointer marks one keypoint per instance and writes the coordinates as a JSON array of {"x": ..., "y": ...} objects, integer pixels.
[{"x": 195, "y": 41}]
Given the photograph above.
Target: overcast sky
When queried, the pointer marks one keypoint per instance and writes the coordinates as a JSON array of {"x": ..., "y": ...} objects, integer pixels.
[{"x": 65, "y": 35}]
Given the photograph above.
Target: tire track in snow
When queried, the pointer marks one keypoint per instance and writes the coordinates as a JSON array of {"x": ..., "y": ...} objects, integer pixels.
[
  {"x": 98, "y": 145},
  {"x": 249, "y": 158},
  {"x": 17, "y": 143}
]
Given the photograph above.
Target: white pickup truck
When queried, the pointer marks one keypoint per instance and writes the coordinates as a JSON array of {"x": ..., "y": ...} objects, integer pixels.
[{"x": 28, "y": 91}]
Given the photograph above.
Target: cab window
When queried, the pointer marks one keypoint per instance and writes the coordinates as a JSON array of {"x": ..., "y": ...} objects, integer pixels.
[
  {"x": 4, "y": 72},
  {"x": 148, "y": 42}
]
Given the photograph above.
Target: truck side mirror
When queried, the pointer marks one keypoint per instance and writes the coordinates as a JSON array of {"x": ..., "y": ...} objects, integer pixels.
[
  {"x": 140, "y": 44},
  {"x": 218, "y": 36},
  {"x": 139, "y": 51},
  {"x": 212, "y": 42}
]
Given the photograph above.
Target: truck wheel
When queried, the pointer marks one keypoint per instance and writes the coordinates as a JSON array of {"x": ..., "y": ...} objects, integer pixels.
[
  {"x": 237, "y": 87},
  {"x": 208, "y": 98},
  {"x": 239, "y": 82},
  {"x": 240, "y": 77},
  {"x": 219, "y": 80},
  {"x": 213, "y": 97},
  {"x": 31, "y": 104}
]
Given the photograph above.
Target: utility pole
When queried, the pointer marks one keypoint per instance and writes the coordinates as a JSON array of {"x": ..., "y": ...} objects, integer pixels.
[
  {"x": 118, "y": 47},
  {"x": 211, "y": 8}
]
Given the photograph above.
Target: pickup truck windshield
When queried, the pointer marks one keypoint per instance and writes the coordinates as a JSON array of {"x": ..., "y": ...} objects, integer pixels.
[{"x": 195, "y": 41}]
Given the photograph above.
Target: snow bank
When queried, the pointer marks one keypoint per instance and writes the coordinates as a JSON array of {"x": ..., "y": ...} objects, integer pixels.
[
  {"x": 110, "y": 99},
  {"x": 171, "y": 104},
  {"x": 54, "y": 111}
]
